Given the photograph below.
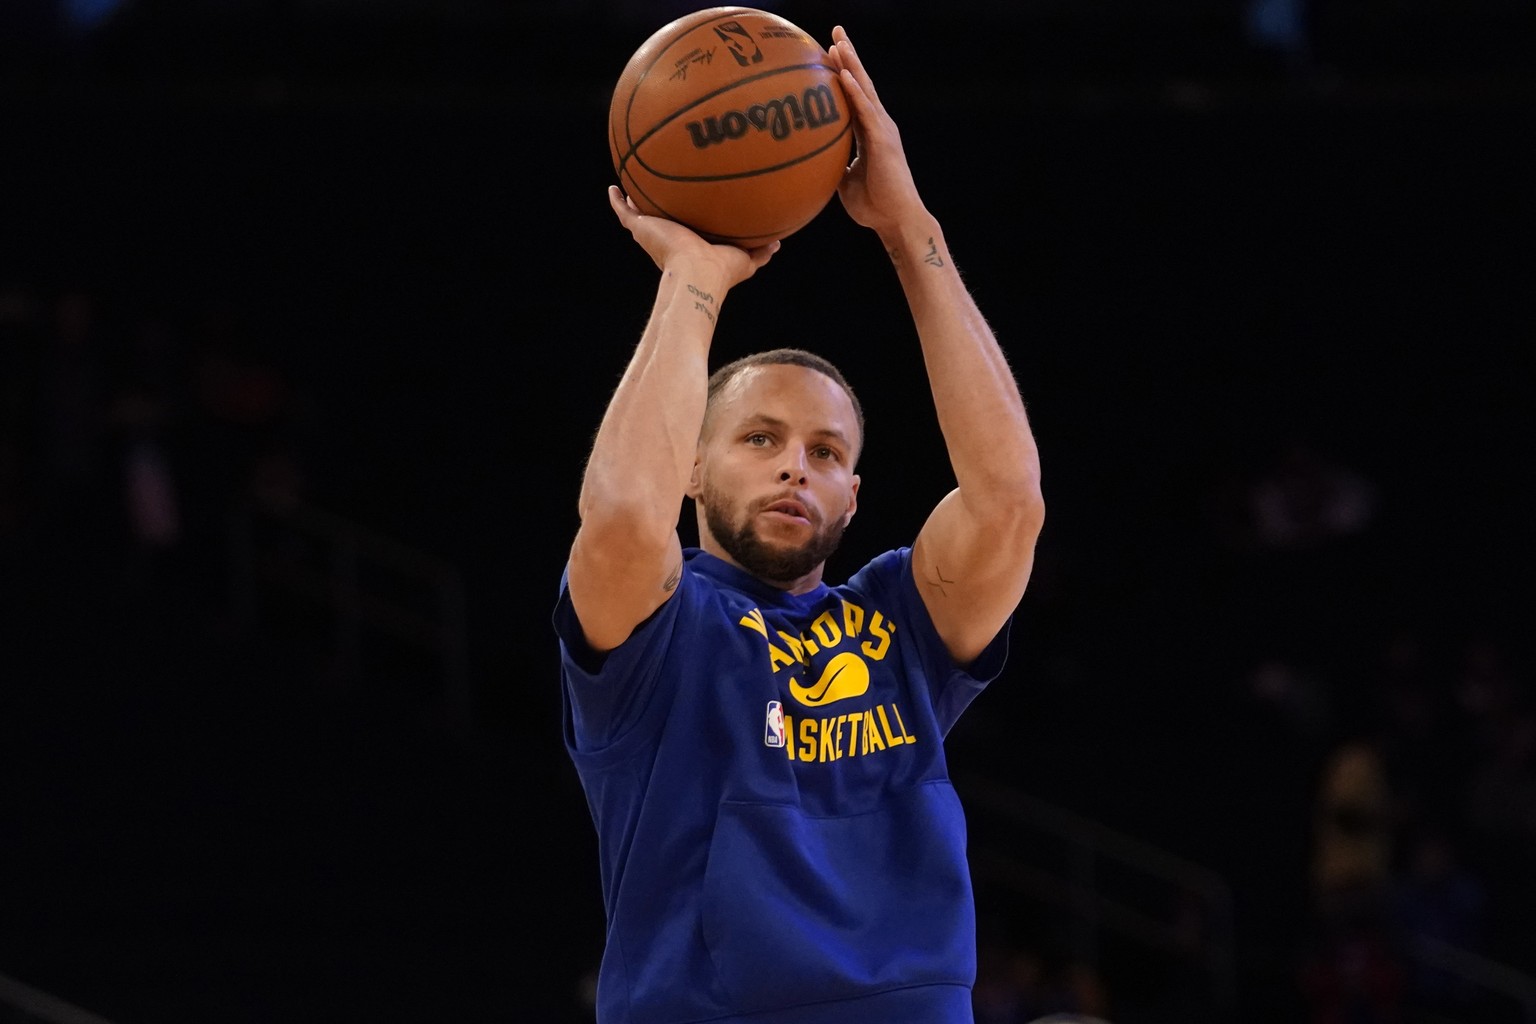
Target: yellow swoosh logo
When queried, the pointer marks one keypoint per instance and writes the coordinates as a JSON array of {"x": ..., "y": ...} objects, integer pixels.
[{"x": 844, "y": 676}]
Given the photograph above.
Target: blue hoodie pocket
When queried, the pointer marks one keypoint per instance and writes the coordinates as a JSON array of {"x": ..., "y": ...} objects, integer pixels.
[{"x": 800, "y": 909}]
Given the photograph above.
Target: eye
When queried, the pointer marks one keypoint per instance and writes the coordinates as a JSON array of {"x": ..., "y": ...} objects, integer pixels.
[
  {"x": 757, "y": 440},
  {"x": 824, "y": 452}
]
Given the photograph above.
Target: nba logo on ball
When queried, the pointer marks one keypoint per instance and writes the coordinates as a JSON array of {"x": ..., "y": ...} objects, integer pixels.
[
  {"x": 740, "y": 42},
  {"x": 773, "y": 730},
  {"x": 732, "y": 121}
]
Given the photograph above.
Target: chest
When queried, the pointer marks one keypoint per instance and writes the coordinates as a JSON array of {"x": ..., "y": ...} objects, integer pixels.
[{"x": 824, "y": 707}]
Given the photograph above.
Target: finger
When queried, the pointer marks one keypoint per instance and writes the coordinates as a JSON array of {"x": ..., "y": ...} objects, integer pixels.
[
  {"x": 864, "y": 111},
  {"x": 861, "y": 85},
  {"x": 763, "y": 253},
  {"x": 834, "y": 52},
  {"x": 624, "y": 208},
  {"x": 849, "y": 58}
]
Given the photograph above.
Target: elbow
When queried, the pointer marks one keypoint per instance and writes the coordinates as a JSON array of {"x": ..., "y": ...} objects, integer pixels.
[
  {"x": 1024, "y": 494},
  {"x": 1028, "y": 511},
  {"x": 1030, "y": 499},
  {"x": 1016, "y": 495},
  {"x": 1013, "y": 509}
]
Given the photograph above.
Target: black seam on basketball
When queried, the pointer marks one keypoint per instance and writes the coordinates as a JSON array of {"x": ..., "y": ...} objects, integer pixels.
[
  {"x": 780, "y": 233},
  {"x": 635, "y": 189},
  {"x": 623, "y": 161}
]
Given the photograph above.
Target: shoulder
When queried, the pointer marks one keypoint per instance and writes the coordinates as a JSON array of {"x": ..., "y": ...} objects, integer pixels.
[{"x": 884, "y": 573}]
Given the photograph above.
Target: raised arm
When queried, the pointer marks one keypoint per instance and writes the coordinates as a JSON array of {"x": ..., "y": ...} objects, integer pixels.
[
  {"x": 973, "y": 556},
  {"x": 626, "y": 559}
]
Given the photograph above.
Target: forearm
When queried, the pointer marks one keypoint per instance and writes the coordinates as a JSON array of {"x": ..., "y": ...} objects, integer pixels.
[
  {"x": 976, "y": 396},
  {"x": 643, "y": 453}
]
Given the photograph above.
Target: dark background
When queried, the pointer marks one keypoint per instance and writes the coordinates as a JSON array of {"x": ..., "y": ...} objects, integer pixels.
[{"x": 385, "y": 223}]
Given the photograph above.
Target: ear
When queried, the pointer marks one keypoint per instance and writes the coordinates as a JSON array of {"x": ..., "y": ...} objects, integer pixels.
[
  {"x": 695, "y": 476},
  {"x": 853, "y": 501}
]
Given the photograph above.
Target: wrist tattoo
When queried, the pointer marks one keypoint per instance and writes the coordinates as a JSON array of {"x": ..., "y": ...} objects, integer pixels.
[
  {"x": 703, "y": 301},
  {"x": 931, "y": 257}
]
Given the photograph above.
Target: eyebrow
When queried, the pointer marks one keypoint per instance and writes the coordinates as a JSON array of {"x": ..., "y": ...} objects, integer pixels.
[{"x": 761, "y": 420}]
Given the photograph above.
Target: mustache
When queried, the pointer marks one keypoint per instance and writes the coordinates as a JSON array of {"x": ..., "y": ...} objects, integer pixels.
[{"x": 812, "y": 514}]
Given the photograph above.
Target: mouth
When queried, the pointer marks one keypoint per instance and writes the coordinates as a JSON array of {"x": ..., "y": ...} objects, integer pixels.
[{"x": 788, "y": 509}]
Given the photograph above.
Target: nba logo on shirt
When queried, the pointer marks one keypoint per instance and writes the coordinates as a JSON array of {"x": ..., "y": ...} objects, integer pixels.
[{"x": 773, "y": 731}]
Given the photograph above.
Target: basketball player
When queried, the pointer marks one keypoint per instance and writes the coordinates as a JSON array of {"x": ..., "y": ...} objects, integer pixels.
[{"x": 762, "y": 752}]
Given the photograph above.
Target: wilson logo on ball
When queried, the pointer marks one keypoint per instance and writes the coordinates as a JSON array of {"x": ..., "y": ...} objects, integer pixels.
[{"x": 813, "y": 108}]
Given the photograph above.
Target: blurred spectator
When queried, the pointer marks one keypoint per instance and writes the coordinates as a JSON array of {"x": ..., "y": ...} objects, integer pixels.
[
  {"x": 20, "y": 351},
  {"x": 1353, "y": 829},
  {"x": 1411, "y": 715},
  {"x": 1006, "y": 983},
  {"x": 1501, "y": 793},
  {"x": 1301, "y": 698},
  {"x": 76, "y": 498},
  {"x": 243, "y": 412},
  {"x": 245, "y": 402},
  {"x": 1284, "y": 36},
  {"x": 1354, "y": 968},
  {"x": 1225, "y": 508},
  {"x": 1487, "y": 689},
  {"x": 1085, "y": 989},
  {"x": 1017, "y": 984},
  {"x": 1306, "y": 499},
  {"x": 11, "y": 500},
  {"x": 1312, "y": 586},
  {"x": 1187, "y": 988},
  {"x": 147, "y": 409},
  {"x": 1436, "y": 897},
  {"x": 1355, "y": 973},
  {"x": 1281, "y": 28}
]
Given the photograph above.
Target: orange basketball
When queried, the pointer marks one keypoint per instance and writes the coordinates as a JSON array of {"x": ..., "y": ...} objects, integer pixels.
[{"x": 732, "y": 121}]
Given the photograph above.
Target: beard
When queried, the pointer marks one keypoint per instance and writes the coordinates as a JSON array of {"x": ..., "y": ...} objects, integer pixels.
[{"x": 769, "y": 562}]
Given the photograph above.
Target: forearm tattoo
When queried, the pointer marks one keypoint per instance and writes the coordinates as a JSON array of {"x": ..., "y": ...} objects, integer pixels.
[{"x": 704, "y": 302}]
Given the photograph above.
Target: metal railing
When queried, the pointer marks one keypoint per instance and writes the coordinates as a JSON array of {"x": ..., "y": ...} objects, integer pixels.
[
  {"x": 1077, "y": 886},
  {"x": 363, "y": 579},
  {"x": 1510, "y": 989},
  {"x": 22, "y": 1004},
  {"x": 1087, "y": 854}
]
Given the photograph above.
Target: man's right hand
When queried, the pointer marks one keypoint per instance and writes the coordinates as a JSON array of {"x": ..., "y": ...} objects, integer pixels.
[{"x": 666, "y": 240}]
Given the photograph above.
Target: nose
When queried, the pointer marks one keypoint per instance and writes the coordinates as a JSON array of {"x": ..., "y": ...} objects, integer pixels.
[{"x": 792, "y": 469}]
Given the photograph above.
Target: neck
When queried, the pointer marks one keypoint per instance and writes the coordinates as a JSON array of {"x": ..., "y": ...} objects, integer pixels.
[{"x": 800, "y": 585}]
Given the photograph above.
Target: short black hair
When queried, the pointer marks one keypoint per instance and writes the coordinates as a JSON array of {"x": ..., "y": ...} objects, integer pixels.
[{"x": 785, "y": 357}]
